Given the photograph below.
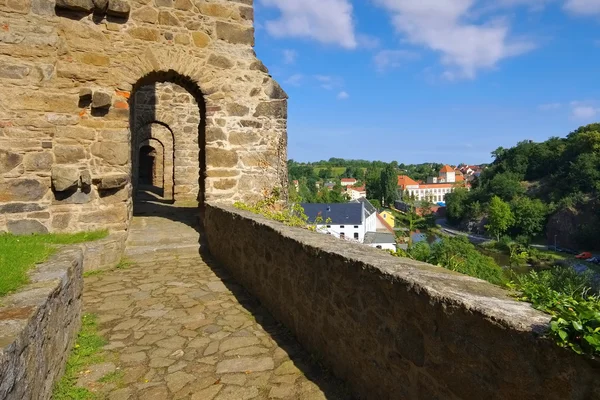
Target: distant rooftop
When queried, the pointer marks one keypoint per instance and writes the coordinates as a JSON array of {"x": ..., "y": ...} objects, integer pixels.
[{"x": 379, "y": 238}]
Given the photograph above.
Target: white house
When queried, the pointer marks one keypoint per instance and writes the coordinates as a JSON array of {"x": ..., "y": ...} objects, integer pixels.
[
  {"x": 356, "y": 193},
  {"x": 350, "y": 221},
  {"x": 348, "y": 181}
]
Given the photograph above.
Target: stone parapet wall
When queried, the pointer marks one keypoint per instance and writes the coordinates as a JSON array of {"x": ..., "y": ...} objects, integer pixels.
[
  {"x": 396, "y": 328},
  {"x": 39, "y": 323}
]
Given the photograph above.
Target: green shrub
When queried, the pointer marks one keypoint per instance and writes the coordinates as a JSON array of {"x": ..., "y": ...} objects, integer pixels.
[
  {"x": 457, "y": 254},
  {"x": 572, "y": 300}
]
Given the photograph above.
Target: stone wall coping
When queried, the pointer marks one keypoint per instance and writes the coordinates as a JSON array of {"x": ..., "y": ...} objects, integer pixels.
[
  {"x": 475, "y": 295},
  {"x": 39, "y": 322}
]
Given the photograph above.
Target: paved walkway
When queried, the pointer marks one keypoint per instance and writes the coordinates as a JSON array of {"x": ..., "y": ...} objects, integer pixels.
[{"x": 179, "y": 328}]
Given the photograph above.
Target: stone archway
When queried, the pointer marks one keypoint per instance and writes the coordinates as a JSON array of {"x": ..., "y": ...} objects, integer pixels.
[
  {"x": 169, "y": 108},
  {"x": 163, "y": 137}
]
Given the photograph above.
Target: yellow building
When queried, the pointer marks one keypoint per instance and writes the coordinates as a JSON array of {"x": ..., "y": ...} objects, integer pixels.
[{"x": 388, "y": 217}]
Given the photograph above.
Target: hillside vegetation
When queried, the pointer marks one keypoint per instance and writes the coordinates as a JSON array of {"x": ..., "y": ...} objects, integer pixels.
[{"x": 531, "y": 183}]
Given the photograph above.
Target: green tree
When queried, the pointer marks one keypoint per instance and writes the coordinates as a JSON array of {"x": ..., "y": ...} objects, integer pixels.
[
  {"x": 529, "y": 215},
  {"x": 500, "y": 217},
  {"x": 389, "y": 185},
  {"x": 373, "y": 184},
  {"x": 456, "y": 205}
]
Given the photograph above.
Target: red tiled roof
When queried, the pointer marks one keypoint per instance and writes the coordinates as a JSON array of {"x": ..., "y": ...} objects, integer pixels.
[
  {"x": 349, "y": 180},
  {"x": 358, "y": 189},
  {"x": 404, "y": 181},
  {"x": 447, "y": 168}
]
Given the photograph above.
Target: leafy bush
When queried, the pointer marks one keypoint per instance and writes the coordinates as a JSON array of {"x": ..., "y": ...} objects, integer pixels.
[
  {"x": 572, "y": 301},
  {"x": 457, "y": 254},
  {"x": 273, "y": 208}
]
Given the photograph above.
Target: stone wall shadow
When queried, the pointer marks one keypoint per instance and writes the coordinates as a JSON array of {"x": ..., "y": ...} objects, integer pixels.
[{"x": 309, "y": 364}]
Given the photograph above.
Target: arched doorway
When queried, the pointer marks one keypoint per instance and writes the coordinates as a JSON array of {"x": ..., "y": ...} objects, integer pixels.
[
  {"x": 147, "y": 167},
  {"x": 168, "y": 115}
]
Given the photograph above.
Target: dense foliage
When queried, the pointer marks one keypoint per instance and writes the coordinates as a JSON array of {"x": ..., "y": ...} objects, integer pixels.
[
  {"x": 457, "y": 254},
  {"x": 572, "y": 300},
  {"x": 535, "y": 180}
]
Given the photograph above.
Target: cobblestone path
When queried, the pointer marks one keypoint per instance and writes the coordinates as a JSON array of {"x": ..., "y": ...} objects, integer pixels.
[{"x": 178, "y": 327}]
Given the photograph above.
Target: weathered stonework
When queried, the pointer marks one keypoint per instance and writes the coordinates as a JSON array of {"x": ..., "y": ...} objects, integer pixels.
[
  {"x": 395, "y": 328},
  {"x": 87, "y": 83},
  {"x": 38, "y": 323}
]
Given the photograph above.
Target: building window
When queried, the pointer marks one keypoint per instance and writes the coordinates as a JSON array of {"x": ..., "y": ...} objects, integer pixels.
[
  {"x": 342, "y": 235},
  {"x": 356, "y": 226},
  {"x": 329, "y": 226},
  {"x": 356, "y": 235},
  {"x": 341, "y": 226}
]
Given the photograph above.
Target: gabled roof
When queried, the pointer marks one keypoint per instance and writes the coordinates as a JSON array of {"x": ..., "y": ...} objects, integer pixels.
[
  {"x": 447, "y": 168},
  {"x": 339, "y": 213},
  {"x": 369, "y": 208},
  {"x": 384, "y": 223},
  {"x": 379, "y": 238},
  {"x": 349, "y": 180},
  {"x": 404, "y": 181}
]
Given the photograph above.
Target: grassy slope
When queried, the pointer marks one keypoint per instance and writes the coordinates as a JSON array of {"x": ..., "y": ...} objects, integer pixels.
[{"x": 19, "y": 253}]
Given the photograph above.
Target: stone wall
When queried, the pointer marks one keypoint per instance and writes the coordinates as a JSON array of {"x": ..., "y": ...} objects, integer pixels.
[
  {"x": 395, "y": 328},
  {"x": 71, "y": 71},
  {"x": 39, "y": 323}
]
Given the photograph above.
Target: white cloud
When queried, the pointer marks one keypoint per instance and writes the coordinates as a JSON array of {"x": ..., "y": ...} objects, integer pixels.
[
  {"x": 329, "y": 82},
  {"x": 584, "y": 110},
  {"x": 583, "y": 7},
  {"x": 444, "y": 26},
  {"x": 343, "y": 95},
  {"x": 327, "y": 21},
  {"x": 368, "y": 41},
  {"x": 549, "y": 106},
  {"x": 294, "y": 80},
  {"x": 388, "y": 59},
  {"x": 289, "y": 56}
]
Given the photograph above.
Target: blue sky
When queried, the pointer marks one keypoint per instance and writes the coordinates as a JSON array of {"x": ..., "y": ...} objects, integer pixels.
[{"x": 430, "y": 80}]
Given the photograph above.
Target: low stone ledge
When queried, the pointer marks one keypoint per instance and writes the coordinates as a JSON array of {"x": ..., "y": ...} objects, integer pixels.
[
  {"x": 39, "y": 323},
  {"x": 395, "y": 328}
]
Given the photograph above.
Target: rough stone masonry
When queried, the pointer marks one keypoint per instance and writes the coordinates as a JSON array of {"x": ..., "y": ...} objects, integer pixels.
[{"x": 88, "y": 84}]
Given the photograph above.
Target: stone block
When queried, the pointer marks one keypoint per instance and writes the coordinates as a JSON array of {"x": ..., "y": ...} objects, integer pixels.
[
  {"x": 235, "y": 34},
  {"x": 142, "y": 33},
  {"x": 225, "y": 184},
  {"x": 76, "y": 5},
  {"x": 100, "y": 5},
  {"x": 220, "y": 158},
  {"x": 9, "y": 160},
  {"x": 274, "y": 91},
  {"x": 118, "y": 8},
  {"x": 16, "y": 208},
  {"x": 111, "y": 181},
  {"x": 237, "y": 110},
  {"x": 101, "y": 100},
  {"x": 145, "y": 14},
  {"x": 168, "y": 18},
  {"x": 85, "y": 95},
  {"x": 22, "y": 190},
  {"x": 113, "y": 153},
  {"x": 272, "y": 109},
  {"x": 184, "y": 5},
  {"x": 38, "y": 161},
  {"x": 200, "y": 39},
  {"x": 220, "y": 61},
  {"x": 26, "y": 227},
  {"x": 75, "y": 196},
  {"x": 69, "y": 154},
  {"x": 64, "y": 177},
  {"x": 14, "y": 71}
]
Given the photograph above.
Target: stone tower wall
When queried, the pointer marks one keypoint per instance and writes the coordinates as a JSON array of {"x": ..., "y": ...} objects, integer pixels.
[{"x": 70, "y": 71}]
